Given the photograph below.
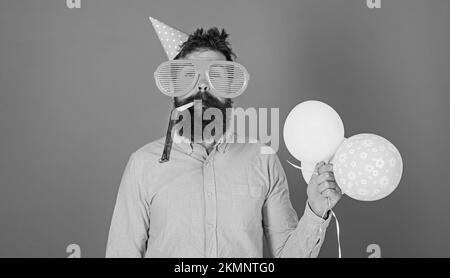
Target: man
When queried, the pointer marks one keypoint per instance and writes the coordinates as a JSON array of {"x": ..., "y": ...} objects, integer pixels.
[{"x": 214, "y": 198}]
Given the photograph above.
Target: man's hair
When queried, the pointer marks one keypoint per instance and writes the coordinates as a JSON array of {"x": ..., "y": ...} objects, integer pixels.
[{"x": 211, "y": 39}]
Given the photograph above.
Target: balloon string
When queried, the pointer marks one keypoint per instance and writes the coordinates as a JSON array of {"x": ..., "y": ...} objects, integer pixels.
[
  {"x": 337, "y": 227},
  {"x": 338, "y": 234},
  {"x": 294, "y": 165}
]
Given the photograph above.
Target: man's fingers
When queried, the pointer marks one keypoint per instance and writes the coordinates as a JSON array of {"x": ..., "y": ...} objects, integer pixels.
[
  {"x": 318, "y": 166},
  {"x": 326, "y": 185},
  {"x": 327, "y": 176},
  {"x": 331, "y": 193},
  {"x": 326, "y": 167}
]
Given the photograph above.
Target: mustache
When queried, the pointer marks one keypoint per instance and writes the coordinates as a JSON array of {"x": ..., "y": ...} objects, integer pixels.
[{"x": 207, "y": 99}]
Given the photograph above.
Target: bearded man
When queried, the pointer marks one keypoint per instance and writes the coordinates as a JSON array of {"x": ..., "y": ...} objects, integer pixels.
[{"x": 212, "y": 197}]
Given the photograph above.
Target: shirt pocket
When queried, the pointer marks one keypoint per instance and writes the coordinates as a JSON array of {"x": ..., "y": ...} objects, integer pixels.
[{"x": 247, "y": 201}]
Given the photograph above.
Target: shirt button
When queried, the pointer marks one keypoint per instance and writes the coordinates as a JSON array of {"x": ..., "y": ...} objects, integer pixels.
[
  {"x": 210, "y": 194},
  {"x": 211, "y": 226}
]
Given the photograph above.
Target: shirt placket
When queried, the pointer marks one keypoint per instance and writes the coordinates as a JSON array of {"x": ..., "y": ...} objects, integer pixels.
[{"x": 210, "y": 206}]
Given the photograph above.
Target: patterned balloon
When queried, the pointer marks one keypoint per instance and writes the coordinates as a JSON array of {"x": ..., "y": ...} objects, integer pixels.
[{"x": 367, "y": 167}]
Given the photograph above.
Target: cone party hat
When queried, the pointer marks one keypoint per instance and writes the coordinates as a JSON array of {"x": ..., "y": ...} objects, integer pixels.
[{"x": 170, "y": 38}]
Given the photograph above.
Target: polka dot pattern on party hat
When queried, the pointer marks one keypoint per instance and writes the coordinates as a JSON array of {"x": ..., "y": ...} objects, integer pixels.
[{"x": 170, "y": 38}]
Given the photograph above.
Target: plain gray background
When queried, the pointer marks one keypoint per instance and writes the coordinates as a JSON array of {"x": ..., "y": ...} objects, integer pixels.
[{"x": 78, "y": 97}]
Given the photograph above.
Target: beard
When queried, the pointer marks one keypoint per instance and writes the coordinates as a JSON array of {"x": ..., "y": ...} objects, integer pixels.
[{"x": 207, "y": 101}]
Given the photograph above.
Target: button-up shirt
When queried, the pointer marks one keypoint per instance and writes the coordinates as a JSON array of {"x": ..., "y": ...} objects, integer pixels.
[{"x": 220, "y": 204}]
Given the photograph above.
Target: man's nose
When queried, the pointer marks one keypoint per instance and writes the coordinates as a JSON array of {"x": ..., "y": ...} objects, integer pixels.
[{"x": 203, "y": 86}]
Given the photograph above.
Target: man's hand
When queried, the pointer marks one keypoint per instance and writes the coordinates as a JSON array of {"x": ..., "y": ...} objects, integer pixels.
[{"x": 323, "y": 186}]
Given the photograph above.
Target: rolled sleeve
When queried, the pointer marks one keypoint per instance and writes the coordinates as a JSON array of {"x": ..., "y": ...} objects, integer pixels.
[
  {"x": 311, "y": 229},
  {"x": 286, "y": 235}
]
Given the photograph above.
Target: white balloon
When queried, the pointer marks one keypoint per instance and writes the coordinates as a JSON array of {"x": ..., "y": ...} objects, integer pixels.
[
  {"x": 308, "y": 167},
  {"x": 308, "y": 170},
  {"x": 313, "y": 131}
]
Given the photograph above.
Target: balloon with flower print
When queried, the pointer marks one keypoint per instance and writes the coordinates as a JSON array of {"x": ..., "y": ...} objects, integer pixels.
[{"x": 367, "y": 167}]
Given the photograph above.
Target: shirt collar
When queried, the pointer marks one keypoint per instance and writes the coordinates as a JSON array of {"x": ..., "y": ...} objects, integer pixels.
[{"x": 221, "y": 145}]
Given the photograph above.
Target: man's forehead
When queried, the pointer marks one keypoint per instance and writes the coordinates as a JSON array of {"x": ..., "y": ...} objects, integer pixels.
[{"x": 205, "y": 54}]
